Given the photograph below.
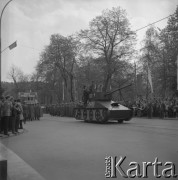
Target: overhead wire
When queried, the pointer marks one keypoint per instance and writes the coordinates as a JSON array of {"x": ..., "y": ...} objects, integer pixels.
[
  {"x": 154, "y": 22},
  {"x": 135, "y": 31}
]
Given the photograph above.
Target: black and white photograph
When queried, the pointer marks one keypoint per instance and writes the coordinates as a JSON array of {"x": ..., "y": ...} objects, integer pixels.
[{"x": 88, "y": 89}]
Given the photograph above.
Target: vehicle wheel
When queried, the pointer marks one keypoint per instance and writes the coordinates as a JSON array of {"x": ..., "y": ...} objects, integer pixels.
[
  {"x": 97, "y": 115},
  {"x": 91, "y": 115},
  {"x": 104, "y": 116},
  {"x": 120, "y": 121}
]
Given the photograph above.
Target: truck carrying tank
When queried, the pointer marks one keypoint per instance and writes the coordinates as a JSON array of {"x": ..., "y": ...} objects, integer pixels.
[{"x": 102, "y": 109}]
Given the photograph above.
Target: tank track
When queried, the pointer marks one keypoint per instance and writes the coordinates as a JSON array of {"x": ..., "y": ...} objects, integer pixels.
[{"x": 99, "y": 115}]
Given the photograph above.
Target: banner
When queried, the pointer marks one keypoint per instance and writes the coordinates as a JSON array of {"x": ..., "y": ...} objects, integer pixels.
[
  {"x": 13, "y": 45},
  {"x": 150, "y": 79}
]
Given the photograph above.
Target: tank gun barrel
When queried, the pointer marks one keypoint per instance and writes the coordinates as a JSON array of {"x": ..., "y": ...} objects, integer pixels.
[{"x": 108, "y": 93}]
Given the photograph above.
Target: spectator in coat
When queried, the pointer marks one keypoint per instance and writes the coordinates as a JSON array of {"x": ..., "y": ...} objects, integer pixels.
[
  {"x": 6, "y": 114},
  {"x": 20, "y": 114},
  {"x": 13, "y": 116}
]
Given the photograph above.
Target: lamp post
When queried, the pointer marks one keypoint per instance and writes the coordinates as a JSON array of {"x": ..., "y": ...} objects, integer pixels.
[{"x": 0, "y": 42}]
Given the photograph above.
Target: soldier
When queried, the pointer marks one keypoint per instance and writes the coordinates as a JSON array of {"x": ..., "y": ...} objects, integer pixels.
[
  {"x": 162, "y": 111},
  {"x": 38, "y": 111},
  {"x": 35, "y": 111},
  {"x": 32, "y": 111},
  {"x": 13, "y": 116},
  {"x": 150, "y": 109},
  {"x": 58, "y": 112},
  {"x": 92, "y": 90},
  {"x": 20, "y": 114},
  {"x": 85, "y": 96},
  {"x": 16, "y": 115},
  {"x": 28, "y": 112},
  {"x": 25, "y": 109}
]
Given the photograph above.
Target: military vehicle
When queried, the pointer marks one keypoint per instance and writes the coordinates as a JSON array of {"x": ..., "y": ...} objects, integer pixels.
[
  {"x": 28, "y": 97},
  {"x": 102, "y": 109}
]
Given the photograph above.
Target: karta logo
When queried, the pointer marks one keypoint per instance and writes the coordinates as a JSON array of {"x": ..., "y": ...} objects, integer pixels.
[{"x": 114, "y": 167}]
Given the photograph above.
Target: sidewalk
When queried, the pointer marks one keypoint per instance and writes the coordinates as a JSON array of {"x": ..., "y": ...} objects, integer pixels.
[{"x": 17, "y": 168}]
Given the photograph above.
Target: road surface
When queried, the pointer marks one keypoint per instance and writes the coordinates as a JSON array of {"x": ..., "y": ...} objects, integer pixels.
[{"x": 61, "y": 148}]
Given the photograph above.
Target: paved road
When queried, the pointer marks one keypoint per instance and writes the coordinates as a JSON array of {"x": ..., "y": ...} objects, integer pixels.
[{"x": 60, "y": 148}]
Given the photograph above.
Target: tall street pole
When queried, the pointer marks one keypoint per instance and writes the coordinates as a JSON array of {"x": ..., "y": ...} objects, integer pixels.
[
  {"x": 135, "y": 73},
  {"x": 0, "y": 43}
]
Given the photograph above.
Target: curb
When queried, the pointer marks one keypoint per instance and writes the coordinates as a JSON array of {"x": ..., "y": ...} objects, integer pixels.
[{"x": 17, "y": 168}]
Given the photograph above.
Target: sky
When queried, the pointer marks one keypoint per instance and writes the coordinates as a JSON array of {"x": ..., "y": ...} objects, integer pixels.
[{"x": 32, "y": 22}]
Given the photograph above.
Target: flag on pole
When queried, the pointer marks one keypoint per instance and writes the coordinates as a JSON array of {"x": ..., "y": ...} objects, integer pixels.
[
  {"x": 177, "y": 71},
  {"x": 13, "y": 45},
  {"x": 150, "y": 79}
]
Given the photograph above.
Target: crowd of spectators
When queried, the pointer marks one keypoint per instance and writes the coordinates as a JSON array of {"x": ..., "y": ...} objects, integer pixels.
[
  {"x": 14, "y": 113},
  {"x": 155, "y": 107}
]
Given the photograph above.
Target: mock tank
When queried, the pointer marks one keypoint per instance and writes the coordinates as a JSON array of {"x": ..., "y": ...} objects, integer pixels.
[{"x": 101, "y": 109}]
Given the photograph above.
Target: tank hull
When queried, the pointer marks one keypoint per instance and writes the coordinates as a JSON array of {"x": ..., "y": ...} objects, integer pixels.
[{"x": 102, "y": 112}]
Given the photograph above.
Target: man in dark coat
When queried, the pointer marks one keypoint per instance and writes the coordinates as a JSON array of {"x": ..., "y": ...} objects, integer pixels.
[{"x": 85, "y": 97}]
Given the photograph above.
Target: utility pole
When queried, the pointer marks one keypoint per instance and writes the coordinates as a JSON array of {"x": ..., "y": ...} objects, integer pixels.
[
  {"x": 177, "y": 72},
  {"x": 0, "y": 43},
  {"x": 135, "y": 73}
]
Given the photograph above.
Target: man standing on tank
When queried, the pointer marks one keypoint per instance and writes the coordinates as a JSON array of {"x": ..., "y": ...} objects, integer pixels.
[
  {"x": 85, "y": 97},
  {"x": 92, "y": 90}
]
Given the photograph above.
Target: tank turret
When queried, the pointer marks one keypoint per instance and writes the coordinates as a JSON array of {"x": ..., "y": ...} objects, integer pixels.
[{"x": 106, "y": 96}]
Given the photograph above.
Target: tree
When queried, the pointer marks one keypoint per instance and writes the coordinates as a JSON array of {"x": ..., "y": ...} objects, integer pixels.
[
  {"x": 14, "y": 75},
  {"x": 21, "y": 80},
  {"x": 169, "y": 39},
  {"x": 110, "y": 39},
  {"x": 160, "y": 53},
  {"x": 57, "y": 63}
]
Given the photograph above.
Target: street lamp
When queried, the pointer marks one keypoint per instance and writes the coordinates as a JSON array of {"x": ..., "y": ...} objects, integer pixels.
[{"x": 0, "y": 42}]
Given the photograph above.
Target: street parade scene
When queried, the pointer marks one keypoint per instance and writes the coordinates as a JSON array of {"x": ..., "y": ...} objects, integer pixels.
[{"x": 88, "y": 89}]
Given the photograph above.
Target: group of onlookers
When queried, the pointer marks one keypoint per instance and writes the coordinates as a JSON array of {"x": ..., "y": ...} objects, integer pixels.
[
  {"x": 155, "y": 107},
  {"x": 142, "y": 107},
  {"x": 13, "y": 113}
]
